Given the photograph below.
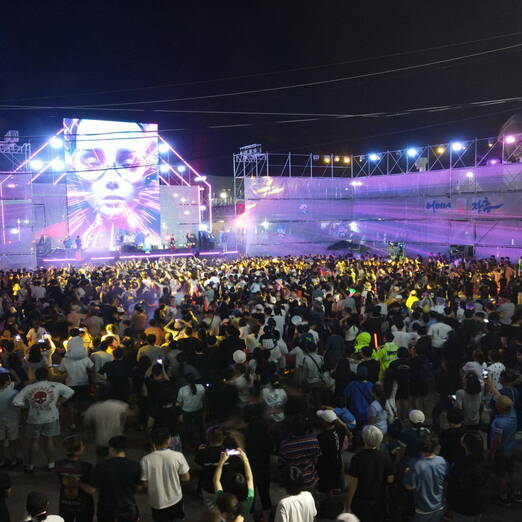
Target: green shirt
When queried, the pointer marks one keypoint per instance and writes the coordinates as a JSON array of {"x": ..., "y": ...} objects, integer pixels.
[{"x": 244, "y": 507}]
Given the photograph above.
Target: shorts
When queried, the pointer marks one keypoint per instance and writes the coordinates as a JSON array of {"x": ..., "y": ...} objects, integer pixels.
[
  {"x": 504, "y": 462},
  {"x": 81, "y": 393},
  {"x": 168, "y": 514},
  {"x": 48, "y": 429},
  {"x": 9, "y": 430}
]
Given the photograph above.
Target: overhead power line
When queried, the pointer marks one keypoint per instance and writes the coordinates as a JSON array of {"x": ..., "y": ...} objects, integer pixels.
[
  {"x": 301, "y": 117},
  {"x": 306, "y": 84},
  {"x": 271, "y": 73}
]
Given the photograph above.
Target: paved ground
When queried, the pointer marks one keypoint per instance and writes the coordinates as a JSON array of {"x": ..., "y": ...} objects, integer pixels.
[{"x": 47, "y": 483}]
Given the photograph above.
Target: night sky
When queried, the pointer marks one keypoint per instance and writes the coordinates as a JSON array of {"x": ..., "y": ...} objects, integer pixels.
[{"x": 85, "y": 53}]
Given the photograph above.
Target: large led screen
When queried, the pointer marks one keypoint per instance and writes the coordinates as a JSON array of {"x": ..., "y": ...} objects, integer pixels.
[{"x": 112, "y": 182}]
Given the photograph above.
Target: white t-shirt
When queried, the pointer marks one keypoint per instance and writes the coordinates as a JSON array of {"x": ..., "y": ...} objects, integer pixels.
[
  {"x": 296, "y": 508},
  {"x": 162, "y": 470},
  {"x": 439, "y": 334},
  {"x": 76, "y": 371},
  {"x": 99, "y": 358},
  {"x": 41, "y": 397},
  {"x": 107, "y": 419},
  {"x": 191, "y": 402},
  {"x": 275, "y": 398}
]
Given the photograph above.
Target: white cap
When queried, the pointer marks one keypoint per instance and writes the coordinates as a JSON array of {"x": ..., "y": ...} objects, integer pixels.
[
  {"x": 239, "y": 356},
  {"x": 346, "y": 517},
  {"x": 327, "y": 415},
  {"x": 416, "y": 417}
]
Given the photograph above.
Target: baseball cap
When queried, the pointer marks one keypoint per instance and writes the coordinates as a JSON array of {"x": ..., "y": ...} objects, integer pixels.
[
  {"x": 327, "y": 415},
  {"x": 416, "y": 417}
]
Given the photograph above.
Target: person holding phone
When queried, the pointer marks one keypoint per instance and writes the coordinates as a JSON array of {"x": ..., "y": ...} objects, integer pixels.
[{"x": 239, "y": 486}]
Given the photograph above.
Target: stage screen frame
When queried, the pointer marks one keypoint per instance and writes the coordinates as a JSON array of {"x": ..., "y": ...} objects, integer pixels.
[{"x": 112, "y": 182}]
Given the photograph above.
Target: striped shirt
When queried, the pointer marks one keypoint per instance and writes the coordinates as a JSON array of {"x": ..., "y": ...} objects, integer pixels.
[{"x": 301, "y": 452}]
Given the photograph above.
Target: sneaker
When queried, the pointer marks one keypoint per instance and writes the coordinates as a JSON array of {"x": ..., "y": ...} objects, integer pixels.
[
  {"x": 50, "y": 466},
  {"x": 29, "y": 469},
  {"x": 505, "y": 501}
]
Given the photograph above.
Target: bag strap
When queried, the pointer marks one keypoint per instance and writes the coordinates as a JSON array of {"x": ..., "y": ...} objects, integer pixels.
[{"x": 314, "y": 361}]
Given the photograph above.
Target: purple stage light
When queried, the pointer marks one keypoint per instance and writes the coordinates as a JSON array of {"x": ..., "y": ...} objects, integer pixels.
[{"x": 509, "y": 140}]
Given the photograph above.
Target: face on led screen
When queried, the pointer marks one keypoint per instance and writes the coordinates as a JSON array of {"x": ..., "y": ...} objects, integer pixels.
[{"x": 112, "y": 183}]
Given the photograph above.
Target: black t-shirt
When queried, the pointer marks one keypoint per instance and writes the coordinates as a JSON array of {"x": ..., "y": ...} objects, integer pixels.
[
  {"x": 469, "y": 488},
  {"x": 118, "y": 373},
  {"x": 72, "y": 497},
  {"x": 116, "y": 479},
  {"x": 450, "y": 446},
  {"x": 401, "y": 371},
  {"x": 371, "y": 467},
  {"x": 373, "y": 368},
  {"x": 208, "y": 459}
]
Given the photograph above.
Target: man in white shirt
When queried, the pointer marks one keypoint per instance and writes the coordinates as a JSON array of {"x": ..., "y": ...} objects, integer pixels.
[
  {"x": 439, "y": 332},
  {"x": 299, "y": 505},
  {"x": 108, "y": 418},
  {"x": 42, "y": 398},
  {"x": 163, "y": 472}
]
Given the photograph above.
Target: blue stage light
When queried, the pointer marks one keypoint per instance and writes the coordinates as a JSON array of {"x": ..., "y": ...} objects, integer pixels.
[
  {"x": 56, "y": 143},
  {"x": 181, "y": 169},
  {"x": 163, "y": 148},
  {"x": 164, "y": 168},
  {"x": 373, "y": 156},
  {"x": 412, "y": 152}
]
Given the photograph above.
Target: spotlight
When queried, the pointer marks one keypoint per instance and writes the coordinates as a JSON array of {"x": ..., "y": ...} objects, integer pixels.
[
  {"x": 57, "y": 164},
  {"x": 354, "y": 227},
  {"x": 11, "y": 185},
  {"x": 164, "y": 168},
  {"x": 223, "y": 195},
  {"x": 36, "y": 164},
  {"x": 181, "y": 169},
  {"x": 356, "y": 183},
  {"x": 183, "y": 200},
  {"x": 336, "y": 159},
  {"x": 163, "y": 148},
  {"x": 265, "y": 224},
  {"x": 200, "y": 178},
  {"x": 326, "y": 159},
  {"x": 493, "y": 161},
  {"x": 457, "y": 146},
  {"x": 509, "y": 139},
  {"x": 469, "y": 174},
  {"x": 14, "y": 231},
  {"x": 346, "y": 160},
  {"x": 373, "y": 157},
  {"x": 202, "y": 208},
  {"x": 56, "y": 143},
  {"x": 412, "y": 151},
  {"x": 186, "y": 212},
  {"x": 26, "y": 221},
  {"x": 440, "y": 149}
]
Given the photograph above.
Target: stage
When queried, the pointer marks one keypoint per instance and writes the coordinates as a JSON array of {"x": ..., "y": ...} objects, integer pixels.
[{"x": 75, "y": 258}]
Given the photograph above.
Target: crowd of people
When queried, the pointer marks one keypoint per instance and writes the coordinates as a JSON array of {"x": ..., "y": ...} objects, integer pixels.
[{"x": 372, "y": 388}]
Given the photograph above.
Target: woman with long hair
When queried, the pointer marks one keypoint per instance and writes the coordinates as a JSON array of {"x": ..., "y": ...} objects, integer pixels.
[
  {"x": 191, "y": 400},
  {"x": 469, "y": 399}
]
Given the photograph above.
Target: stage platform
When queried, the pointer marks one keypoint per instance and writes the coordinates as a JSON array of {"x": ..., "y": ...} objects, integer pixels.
[{"x": 98, "y": 258}]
